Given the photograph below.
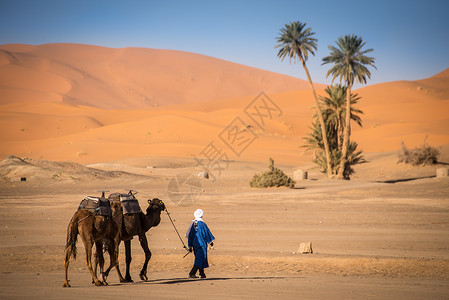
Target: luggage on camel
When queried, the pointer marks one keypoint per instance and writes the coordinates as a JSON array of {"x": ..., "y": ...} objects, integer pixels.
[
  {"x": 129, "y": 202},
  {"x": 98, "y": 205}
]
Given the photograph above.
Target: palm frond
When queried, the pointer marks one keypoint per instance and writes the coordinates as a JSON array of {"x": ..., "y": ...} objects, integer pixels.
[
  {"x": 296, "y": 42},
  {"x": 350, "y": 62}
]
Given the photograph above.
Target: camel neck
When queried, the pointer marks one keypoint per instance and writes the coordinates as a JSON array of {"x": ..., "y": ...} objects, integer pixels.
[{"x": 152, "y": 218}]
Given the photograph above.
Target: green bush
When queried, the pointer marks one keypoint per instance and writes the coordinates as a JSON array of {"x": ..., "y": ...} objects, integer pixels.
[
  {"x": 273, "y": 177},
  {"x": 419, "y": 156}
]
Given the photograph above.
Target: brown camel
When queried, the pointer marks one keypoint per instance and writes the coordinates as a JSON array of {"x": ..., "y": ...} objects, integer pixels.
[
  {"x": 137, "y": 224},
  {"x": 93, "y": 229}
]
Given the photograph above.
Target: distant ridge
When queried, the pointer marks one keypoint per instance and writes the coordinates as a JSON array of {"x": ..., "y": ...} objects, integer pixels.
[{"x": 127, "y": 78}]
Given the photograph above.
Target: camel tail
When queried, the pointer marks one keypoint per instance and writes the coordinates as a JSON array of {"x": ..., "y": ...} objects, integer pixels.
[{"x": 72, "y": 236}]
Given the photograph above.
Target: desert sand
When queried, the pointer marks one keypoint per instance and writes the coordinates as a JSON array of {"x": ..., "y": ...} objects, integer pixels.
[{"x": 79, "y": 119}]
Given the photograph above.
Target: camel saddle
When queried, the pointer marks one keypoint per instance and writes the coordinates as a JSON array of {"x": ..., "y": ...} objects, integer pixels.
[
  {"x": 100, "y": 206},
  {"x": 129, "y": 202}
]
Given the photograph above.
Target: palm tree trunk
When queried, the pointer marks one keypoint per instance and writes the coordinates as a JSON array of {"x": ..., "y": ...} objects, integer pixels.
[
  {"x": 339, "y": 141},
  {"x": 340, "y": 129},
  {"x": 344, "y": 149},
  {"x": 321, "y": 120}
]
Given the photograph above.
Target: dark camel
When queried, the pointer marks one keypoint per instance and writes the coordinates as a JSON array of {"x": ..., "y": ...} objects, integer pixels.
[
  {"x": 93, "y": 229},
  {"x": 138, "y": 224}
]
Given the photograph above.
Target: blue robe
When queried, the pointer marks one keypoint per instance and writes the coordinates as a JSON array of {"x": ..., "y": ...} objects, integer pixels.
[{"x": 199, "y": 237}]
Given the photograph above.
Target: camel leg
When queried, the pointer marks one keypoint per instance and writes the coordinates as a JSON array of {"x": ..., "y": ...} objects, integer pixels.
[
  {"x": 117, "y": 265},
  {"x": 112, "y": 260},
  {"x": 98, "y": 258},
  {"x": 68, "y": 253},
  {"x": 88, "y": 244},
  {"x": 144, "y": 243},
  {"x": 128, "y": 260},
  {"x": 96, "y": 262}
]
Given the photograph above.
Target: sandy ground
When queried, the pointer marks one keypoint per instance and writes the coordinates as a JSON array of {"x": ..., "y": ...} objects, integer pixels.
[{"x": 371, "y": 238}]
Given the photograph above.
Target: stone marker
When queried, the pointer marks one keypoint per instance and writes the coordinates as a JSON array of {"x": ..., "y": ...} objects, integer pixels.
[
  {"x": 203, "y": 174},
  {"x": 305, "y": 248},
  {"x": 299, "y": 175},
  {"x": 442, "y": 172}
]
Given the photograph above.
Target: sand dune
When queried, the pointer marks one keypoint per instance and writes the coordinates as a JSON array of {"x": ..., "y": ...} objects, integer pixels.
[
  {"x": 66, "y": 132},
  {"x": 404, "y": 111},
  {"x": 79, "y": 103},
  {"x": 128, "y": 77}
]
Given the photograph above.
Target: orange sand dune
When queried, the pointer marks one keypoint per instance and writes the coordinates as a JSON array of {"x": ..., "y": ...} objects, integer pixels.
[
  {"x": 60, "y": 131},
  {"x": 84, "y": 134},
  {"x": 127, "y": 78},
  {"x": 407, "y": 111},
  {"x": 50, "y": 123}
]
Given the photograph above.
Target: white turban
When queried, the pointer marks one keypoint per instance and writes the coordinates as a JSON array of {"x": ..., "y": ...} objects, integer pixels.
[{"x": 198, "y": 214}]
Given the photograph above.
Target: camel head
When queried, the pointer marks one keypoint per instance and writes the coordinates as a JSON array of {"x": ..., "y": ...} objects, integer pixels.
[
  {"x": 156, "y": 204},
  {"x": 117, "y": 208}
]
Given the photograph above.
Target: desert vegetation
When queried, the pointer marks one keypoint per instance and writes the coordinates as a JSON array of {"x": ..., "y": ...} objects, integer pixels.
[
  {"x": 350, "y": 64},
  {"x": 418, "y": 156},
  {"x": 274, "y": 177},
  {"x": 334, "y": 111}
]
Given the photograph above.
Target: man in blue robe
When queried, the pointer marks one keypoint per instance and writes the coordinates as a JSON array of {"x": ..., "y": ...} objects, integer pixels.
[{"x": 199, "y": 236}]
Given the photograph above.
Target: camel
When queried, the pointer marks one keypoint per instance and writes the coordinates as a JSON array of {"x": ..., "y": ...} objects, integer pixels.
[
  {"x": 137, "y": 224},
  {"x": 93, "y": 229}
]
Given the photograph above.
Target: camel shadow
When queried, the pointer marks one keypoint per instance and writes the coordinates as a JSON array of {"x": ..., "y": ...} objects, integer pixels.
[{"x": 191, "y": 280}]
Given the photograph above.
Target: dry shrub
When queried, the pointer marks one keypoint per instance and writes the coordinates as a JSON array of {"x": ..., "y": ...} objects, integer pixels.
[
  {"x": 419, "y": 156},
  {"x": 274, "y": 177}
]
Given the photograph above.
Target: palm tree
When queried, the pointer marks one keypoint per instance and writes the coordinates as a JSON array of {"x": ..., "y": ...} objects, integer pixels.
[
  {"x": 350, "y": 64},
  {"x": 295, "y": 41},
  {"x": 334, "y": 109}
]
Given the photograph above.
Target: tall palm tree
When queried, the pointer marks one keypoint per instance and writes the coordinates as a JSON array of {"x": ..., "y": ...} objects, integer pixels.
[
  {"x": 350, "y": 64},
  {"x": 295, "y": 42}
]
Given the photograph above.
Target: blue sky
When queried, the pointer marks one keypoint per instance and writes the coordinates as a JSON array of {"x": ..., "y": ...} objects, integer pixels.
[{"x": 410, "y": 38}]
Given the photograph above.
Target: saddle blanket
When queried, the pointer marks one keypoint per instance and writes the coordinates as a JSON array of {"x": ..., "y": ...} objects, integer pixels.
[
  {"x": 97, "y": 205},
  {"x": 128, "y": 201}
]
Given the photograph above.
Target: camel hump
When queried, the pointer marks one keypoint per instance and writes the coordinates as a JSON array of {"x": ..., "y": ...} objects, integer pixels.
[{"x": 97, "y": 205}]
